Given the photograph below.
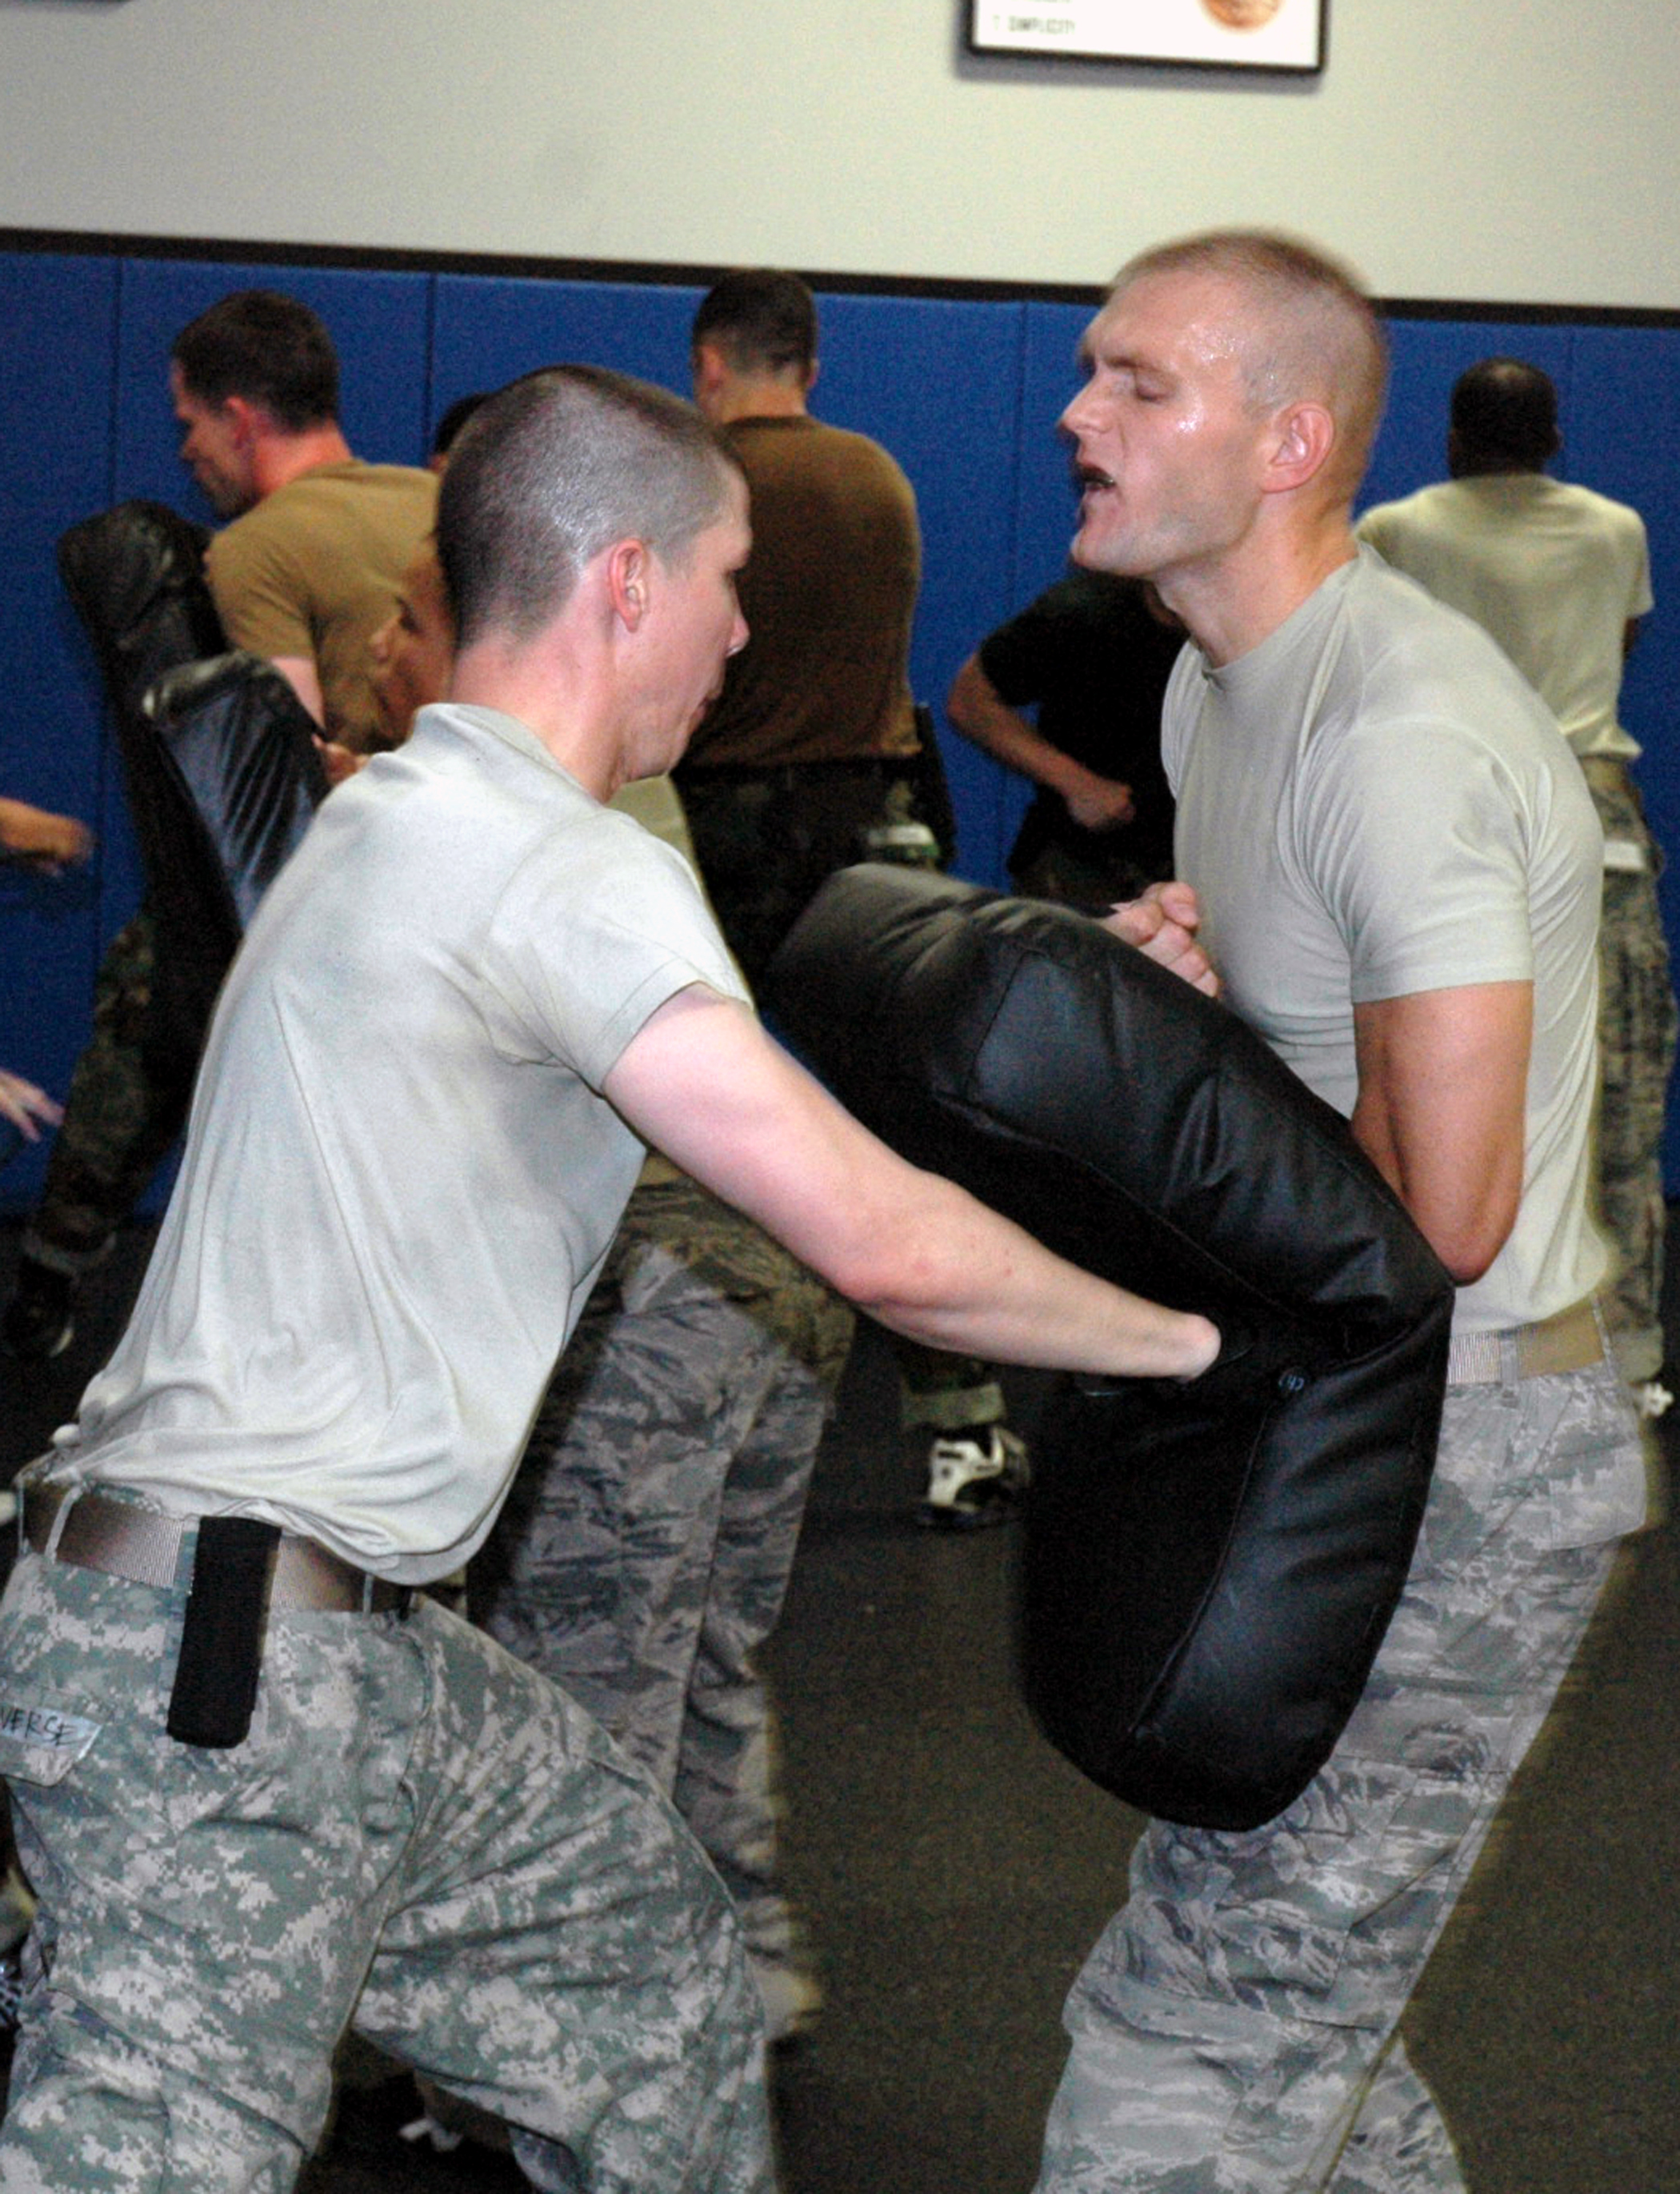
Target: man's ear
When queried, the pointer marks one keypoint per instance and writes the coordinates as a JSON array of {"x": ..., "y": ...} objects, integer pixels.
[
  {"x": 1303, "y": 436},
  {"x": 245, "y": 418},
  {"x": 628, "y": 573},
  {"x": 708, "y": 368}
]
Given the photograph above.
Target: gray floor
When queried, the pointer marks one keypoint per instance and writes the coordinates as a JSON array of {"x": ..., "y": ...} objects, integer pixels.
[{"x": 956, "y": 1869}]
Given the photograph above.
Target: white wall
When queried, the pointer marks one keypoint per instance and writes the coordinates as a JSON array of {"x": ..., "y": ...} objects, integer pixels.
[{"x": 1520, "y": 151}]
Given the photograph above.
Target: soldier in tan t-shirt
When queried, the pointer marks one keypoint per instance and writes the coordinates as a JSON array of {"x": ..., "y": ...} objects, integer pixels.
[
  {"x": 308, "y": 569},
  {"x": 304, "y": 576}
]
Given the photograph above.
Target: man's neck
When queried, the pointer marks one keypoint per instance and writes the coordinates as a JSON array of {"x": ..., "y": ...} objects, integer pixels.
[
  {"x": 1230, "y": 609},
  {"x": 1474, "y": 468},
  {"x": 279, "y": 459},
  {"x": 762, "y": 397},
  {"x": 568, "y": 715}
]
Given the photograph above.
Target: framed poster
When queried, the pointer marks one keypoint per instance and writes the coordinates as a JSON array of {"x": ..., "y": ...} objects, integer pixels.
[{"x": 1257, "y": 34}]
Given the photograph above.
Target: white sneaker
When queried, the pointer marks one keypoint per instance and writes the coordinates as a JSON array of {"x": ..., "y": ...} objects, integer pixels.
[
  {"x": 792, "y": 2001},
  {"x": 973, "y": 1478},
  {"x": 1652, "y": 1398}
]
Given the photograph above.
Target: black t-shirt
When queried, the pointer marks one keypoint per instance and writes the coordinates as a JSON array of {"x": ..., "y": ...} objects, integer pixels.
[{"x": 1096, "y": 662}]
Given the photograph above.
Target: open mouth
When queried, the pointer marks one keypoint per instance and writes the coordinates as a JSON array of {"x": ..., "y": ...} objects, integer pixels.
[{"x": 1088, "y": 480}]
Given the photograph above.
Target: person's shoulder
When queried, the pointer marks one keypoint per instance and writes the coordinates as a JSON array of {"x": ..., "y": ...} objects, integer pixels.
[
  {"x": 1389, "y": 608},
  {"x": 1618, "y": 518},
  {"x": 1092, "y": 608},
  {"x": 845, "y": 449},
  {"x": 354, "y": 479},
  {"x": 247, "y": 545},
  {"x": 398, "y": 480},
  {"x": 262, "y": 519},
  {"x": 1404, "y": 513},
  {"x": 1409, "y": 657},
  {"x": 797, "y": 467},
  {"x": 599, "y": 865}
]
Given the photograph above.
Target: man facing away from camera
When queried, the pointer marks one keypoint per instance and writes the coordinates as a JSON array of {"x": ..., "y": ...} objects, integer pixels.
[
  {"x": 261, "y": 1790},
  {"x": 1396, "y": 863},
  {"x": 1559, "y": 576}
]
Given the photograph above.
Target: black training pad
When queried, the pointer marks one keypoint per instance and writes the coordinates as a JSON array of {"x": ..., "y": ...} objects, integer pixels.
[
  {"x": 134, "y": 576},
  {"x": 220, "y": 762},
  {"x": 1208, "y": 1568},
  {"x": 243, "y": 747}
]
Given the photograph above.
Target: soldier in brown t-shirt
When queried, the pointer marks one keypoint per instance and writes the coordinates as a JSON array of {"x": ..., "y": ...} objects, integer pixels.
[
  {"x": 809, "y": 761},
  {"x": 811, "y": 745}
]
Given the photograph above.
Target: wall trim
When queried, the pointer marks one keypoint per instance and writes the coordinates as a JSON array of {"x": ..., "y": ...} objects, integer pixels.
[{"x": 524, "y": 265}]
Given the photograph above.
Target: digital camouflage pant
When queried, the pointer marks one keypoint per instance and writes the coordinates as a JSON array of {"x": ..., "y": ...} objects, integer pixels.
[
  {"x": 421, "y": 1837},
  {"x": 1234, "y": 2031},
  {"x": 766, "y": 841},
  {"x": 642, "y": 1555},
  {"x": 1636, "y": 1054}
]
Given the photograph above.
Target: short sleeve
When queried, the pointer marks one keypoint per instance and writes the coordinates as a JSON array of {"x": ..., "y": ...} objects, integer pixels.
[
  {"x": 1427, "y": 893},
  {"x": 1641, "y": 599},
  {"x": 600, "y": 926},
  {"x": 259, "y": 594}
]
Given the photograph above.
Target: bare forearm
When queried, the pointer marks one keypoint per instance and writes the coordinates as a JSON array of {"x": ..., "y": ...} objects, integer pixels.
[
  {"x": 970, "y": 1281},
  {"x": 42, "y": 840},
  {"x": 702, "y": 1083},
  {"x": 300, "y": 674}
]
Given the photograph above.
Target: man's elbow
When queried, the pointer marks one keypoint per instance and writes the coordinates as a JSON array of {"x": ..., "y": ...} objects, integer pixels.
[
  {"x": 889, "y": 1290},
  {"x": 1465, "y": 1265},
  {"x": 894, "y": 1273},
  {"x": 964, "y": 704},
  {"x": 1467, "y": 1246}
]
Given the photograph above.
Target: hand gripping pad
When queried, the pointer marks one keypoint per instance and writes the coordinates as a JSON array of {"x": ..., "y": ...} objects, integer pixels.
[{"x": 1208, "y": 1569}]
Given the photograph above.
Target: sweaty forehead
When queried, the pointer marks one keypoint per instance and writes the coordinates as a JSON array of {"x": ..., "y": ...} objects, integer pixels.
[{"x": 1174, "y": 318}]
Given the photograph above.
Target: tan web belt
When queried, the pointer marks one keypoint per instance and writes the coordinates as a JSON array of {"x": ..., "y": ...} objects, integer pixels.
[
  {"x": 124, "y": 1541},
  {"x": 1568, "y": 1340}
]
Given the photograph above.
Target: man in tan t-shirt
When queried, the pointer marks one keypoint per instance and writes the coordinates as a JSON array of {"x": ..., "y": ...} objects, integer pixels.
[
  {"x": 308, "y": 569},
  {"x": 304, "y": 576}
]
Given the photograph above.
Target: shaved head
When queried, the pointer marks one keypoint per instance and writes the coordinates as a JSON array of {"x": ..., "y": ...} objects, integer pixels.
[
  {"x": 553, "y": 469},
  {"x": 1308, "y": 331}
]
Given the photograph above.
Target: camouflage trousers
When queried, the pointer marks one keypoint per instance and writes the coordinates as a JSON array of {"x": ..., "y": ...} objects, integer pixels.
[
  {"x": 1233, "y": 2031},
  {"x": 420, "y": 1837},
  {"x": 643, "y": 1554},
  {"x": 1636, "y": 1017},
  {"x": 766, "y": 841},
  {"x": 128, "y": 1102}
]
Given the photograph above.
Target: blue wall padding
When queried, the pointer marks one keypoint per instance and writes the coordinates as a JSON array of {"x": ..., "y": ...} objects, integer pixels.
[
  {"x": 489, "y": 328},
  {"x": 965, "y": 393},
  {"x": 58, "y": 319}
]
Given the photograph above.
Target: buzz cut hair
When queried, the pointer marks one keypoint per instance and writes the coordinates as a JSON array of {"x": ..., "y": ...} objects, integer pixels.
[
  {"x": 557, "y": 467},
  {"x": 1316, "y": 332},
  {"x": 266, "y": 347},
  {"x": 763, "y": 320}
]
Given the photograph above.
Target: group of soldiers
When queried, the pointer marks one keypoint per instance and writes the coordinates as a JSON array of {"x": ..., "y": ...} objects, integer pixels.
[{"x": 267, "y": 1789}]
